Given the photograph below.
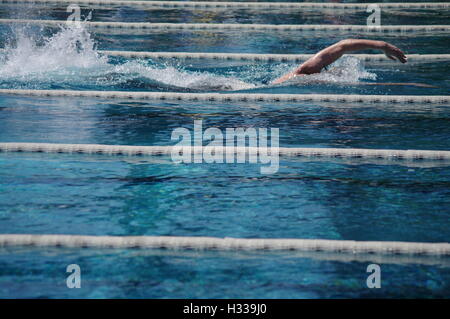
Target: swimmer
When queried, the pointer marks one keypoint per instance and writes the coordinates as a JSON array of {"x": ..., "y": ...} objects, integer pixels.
[{"x": 329, "y": 55}]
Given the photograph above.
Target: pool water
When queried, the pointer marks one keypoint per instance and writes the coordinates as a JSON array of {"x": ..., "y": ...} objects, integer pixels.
[{"x": 307, "y": 198}]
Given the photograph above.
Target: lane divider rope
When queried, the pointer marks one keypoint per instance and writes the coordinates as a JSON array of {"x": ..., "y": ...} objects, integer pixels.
[
  {"x": 264, "y": 57},
  {"x": 371, "y": 58},
  {"x": 214, "y": 243},
  {"x": 237, "y": 26},
  {"x": 234, "y": 97},
  {"x": 281, "y": 151},
  {"x": 238, "y": 5}
]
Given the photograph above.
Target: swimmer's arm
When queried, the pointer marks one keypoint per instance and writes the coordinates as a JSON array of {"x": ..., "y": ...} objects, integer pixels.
[{"x": 328, "y": 55}]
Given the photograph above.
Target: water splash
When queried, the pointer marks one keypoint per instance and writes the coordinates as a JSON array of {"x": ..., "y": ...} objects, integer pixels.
[
  {"x": 66, "y": 52},
  {"x": 344, "y": 71},
  {"x": 177, "y": 77},
  {"x": 69, "y": 57}
]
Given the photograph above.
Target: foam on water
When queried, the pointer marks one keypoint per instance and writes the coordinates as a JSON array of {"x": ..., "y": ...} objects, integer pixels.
[
  {"x": 69, "y": 59},
  {"x": 346, "y": 70},
  {"x": 66, "y": 52}
]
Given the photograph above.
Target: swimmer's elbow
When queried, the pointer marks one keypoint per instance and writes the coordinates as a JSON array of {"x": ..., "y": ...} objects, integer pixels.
[{"x": 310, "y": 67}]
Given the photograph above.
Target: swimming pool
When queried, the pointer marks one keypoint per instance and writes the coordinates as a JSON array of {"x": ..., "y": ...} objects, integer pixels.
[{"x": 92, "y": 194}]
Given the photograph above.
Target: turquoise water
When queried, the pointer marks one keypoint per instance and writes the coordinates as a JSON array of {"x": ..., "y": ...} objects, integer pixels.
[{"x": 329, "y": 199}]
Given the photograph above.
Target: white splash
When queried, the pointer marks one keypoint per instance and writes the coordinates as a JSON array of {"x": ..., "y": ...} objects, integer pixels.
[
  {"x": 70, "y": 57},
  {"x": 345, "y": 70},
  {"x": 178, "y": 77},
  {"x": 67, "y": 51}
]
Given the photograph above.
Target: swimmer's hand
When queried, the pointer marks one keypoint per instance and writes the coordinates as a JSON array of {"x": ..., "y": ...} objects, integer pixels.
[{"x": 394, "y": 53}]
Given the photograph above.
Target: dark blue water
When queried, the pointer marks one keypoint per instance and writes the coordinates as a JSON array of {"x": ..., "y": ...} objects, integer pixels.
[
  {"x": 163, "y": 274},
  {"x": 329, "y": 199}
]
